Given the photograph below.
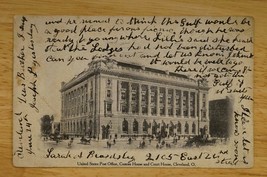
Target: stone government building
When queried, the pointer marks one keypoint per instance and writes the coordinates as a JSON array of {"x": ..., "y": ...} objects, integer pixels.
[
  {"x": 221, "y": 114},
  {"x": 118, "y": 99}
]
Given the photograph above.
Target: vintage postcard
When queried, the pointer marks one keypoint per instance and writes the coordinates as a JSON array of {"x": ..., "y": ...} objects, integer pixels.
[{"x": 133, "y": 91}]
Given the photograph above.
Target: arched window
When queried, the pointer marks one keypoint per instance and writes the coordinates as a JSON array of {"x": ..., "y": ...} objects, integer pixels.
[
  {"x": 135, "y": 126},
  {"x": 145, "y": 126},
  {"x": 125, "y": 126},
  {"x": 171, "y": 128},
  {"x": 163, "y": 129},
  {"x": 194, "y": 128},
  {"x": 186, "y": 128},
  {"x": 179, "y": 128},
  {"x": 154, "y": 127}
]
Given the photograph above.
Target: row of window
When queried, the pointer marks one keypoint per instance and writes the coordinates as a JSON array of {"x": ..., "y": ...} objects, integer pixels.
[
  {"x": 156, "y": 128},
  {"x": 77, "y": 126},
  {"x": 74, "y": 103},
  {"x": 168, "y": 100}
]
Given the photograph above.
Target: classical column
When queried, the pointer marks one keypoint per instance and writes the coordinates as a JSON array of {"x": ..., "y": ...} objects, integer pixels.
[
  {"x": 158, "y": 108},
  {"x": 200, "y": 106},
  {"x": 182, "y": 103},
  {"x": 189, "y": 100},
  {"x": 130, "y": 98},
  {"x": 62, "y": 103},
  {"x": 97, "y": 99},
  {"x": 140, "y": 99},
  {"x": 119, "y": 96},
  {"x": 174, "y": 102},
  {"x": 166, "y": 101},
  {"x": 207, "y": 108},
  {"x": 195, "y": 104},
  {"x": 149, "y": 101}
]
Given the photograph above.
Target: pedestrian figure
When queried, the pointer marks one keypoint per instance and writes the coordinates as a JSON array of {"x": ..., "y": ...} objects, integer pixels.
[
  {"x": 163, "y": 143},
  {"x": 70, "y": 142},
  {"x": 149, "y": 141},
  {"x": 130, "y": 140},
  {"x": 114, "y": 141},
  {"x": 108, "y": 144},
  {"x": 158, "y": 146},
  {"x": 142, "y": 144}
]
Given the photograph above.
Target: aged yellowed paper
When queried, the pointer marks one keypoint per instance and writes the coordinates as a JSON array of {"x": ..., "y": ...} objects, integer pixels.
[{"x": 133, "y": 91}]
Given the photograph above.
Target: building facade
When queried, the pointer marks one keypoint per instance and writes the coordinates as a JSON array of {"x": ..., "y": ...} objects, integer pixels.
[
  {"x": 221, "y": 113},
  {"x": 119, "y": 99}
]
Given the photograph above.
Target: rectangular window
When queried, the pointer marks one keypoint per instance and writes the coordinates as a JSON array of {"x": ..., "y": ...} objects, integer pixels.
[
  {"x": 153, "y": 98},
  {"x": 185, "y": 103},
  {"x": 134, "y": 109},
  {"x": 109, "y": 107},
  {"x": 143, "y": 98},
  {"x": 134, "y": 96},
  {"x": 178, "y": 112},
  {"x": 108, "y": 93},
  {"x": 192, "y": 104},
  {"x": 162, "y": 111},
  {"x": 123, "y": 94},
  {"x": 161, "y": 99},
  {"x": 124, "y": 108},
  {"x": 169, "y": 100},
  {"x": 153, "y": 95},
  {"x": 170, "y": 111},
  {"x": 144, "y": 93},
  {"x": 144, "y": 110},
  {"x": 153, "y": 111}
]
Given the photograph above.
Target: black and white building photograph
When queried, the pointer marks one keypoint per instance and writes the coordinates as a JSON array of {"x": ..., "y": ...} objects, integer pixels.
[{"x": 113, "y": 101}]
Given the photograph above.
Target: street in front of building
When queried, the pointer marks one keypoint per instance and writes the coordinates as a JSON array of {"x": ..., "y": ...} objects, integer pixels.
[{"x": 125, "y": 144}]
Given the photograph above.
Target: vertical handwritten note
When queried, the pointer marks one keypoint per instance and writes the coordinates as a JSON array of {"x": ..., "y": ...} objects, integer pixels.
[{"x": 214, "y": 52}]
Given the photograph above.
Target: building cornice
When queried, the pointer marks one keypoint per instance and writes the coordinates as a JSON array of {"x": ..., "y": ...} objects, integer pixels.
[{"x": 133, "y": 71}]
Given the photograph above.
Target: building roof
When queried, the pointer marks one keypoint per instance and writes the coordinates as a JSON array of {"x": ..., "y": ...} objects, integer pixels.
[{"x": 112, "y": 66}]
